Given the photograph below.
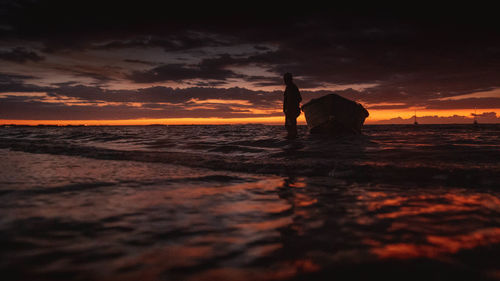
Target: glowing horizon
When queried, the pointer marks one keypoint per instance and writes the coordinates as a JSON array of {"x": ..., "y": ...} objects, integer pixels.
[{"x": 375, "y": 117}]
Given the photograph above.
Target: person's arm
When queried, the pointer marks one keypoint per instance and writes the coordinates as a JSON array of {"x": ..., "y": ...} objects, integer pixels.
[{"x": 297, "y": 94}]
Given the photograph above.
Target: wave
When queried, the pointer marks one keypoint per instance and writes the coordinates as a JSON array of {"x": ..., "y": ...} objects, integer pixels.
[{"x": 361, "y": 162}]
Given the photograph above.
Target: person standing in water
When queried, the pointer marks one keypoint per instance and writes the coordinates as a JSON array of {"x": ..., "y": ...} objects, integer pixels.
[{"x": 291, "y": 106}]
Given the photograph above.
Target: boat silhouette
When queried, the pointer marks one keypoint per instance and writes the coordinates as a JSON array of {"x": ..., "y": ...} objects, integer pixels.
[{"x": 334, "y": 114}]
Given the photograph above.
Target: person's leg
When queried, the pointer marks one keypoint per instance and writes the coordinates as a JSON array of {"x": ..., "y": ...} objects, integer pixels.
[
  {"x": 293, "y": 129},
  {"x": 291, "y": 126},
  {"x": 287, "y": 124}
]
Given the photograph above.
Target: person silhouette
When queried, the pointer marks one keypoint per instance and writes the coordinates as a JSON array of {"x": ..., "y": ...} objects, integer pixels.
[{"x": 291, "y": 105}]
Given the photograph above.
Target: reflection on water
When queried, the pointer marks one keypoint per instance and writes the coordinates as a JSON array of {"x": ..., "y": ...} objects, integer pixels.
[
  {"x": 438, "y": 246},
  {"x": 235, "y": 228},
  {"x": 266, "y": 229},
  {"x": 320, "y": 209},
  {"x": 439, "y": 221}
]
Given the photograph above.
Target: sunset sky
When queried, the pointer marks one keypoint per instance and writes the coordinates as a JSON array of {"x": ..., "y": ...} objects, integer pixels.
[{"x": 77, "y": 62}]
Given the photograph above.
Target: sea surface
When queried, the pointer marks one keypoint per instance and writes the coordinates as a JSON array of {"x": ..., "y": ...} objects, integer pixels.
[{"x": 240, "y": 202}]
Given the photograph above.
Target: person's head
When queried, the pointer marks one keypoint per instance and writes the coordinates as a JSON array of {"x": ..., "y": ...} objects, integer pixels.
[{"x": 287, "y": 77}]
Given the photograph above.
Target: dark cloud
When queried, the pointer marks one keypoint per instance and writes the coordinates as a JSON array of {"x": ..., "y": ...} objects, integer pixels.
[
  {"x": 140, "y": 62},
  {"x": 465, "y": 103},
  {"x": 177, "y": 42},
  {"x": 208, "y": 83},
  {"x": 263, "y": 81},
  {"x": 79, "y": 25},
  {"x": 166, "y": 102},
  {"x": 8, "y": 78},
  {"x": 17, "y": 83},
  {"x": 100, "y": 74},
  {"x": 261, "y": 48},
  {"x": 157, "y": 102},
  {"x": 65, "y": 84},
  {"x": 17, "y": 108},
  {"x": 176, "y": 72},
  {"x": 401, "y": 106},
  {"x": 213, "y": 69},
  {"x": 165, "y": 94},
  {"x": 277, "y": 80},
  {"x": 487, "y": 115},
  {"x": 20, "y": 55}
]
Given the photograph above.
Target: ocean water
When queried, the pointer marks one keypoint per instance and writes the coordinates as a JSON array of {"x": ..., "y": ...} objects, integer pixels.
[{"x": 242, "y": 203}]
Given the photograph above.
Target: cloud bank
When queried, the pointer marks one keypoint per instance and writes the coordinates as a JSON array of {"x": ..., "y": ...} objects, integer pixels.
[{"x": 142, "y": 63}]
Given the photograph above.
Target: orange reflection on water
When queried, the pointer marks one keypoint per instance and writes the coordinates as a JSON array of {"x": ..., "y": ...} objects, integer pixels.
[
  {"x": 478, "y": 238},
  {"x": 420, "y": 210},
  {"x": 279, "y": 271},
  {"x": 153, "y": 263},
  {"x": 294, "y": 182},
  {"x": 486, "y": 200},
  {"x": 413, "y": 205},
  {"x": 249, "y": 212},
  {"x": 426, "y": 216},
  {"x": 265, "y": 225},
  {"x": 304, "y": 200},
  {"x": 293, "y": 268},
  {"x": 437, "y": 246},
  {"x": 249, "y": 206}
]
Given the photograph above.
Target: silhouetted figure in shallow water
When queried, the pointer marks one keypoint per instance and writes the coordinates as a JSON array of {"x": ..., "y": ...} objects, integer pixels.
[{"x": 291, "y": 105}]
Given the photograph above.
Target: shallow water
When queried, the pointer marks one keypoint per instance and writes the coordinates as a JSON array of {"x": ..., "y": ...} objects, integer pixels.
[{"x": 243, "y": 203}]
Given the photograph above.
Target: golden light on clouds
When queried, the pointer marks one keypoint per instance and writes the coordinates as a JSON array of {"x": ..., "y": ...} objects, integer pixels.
[{"x": 385, "y": 114}]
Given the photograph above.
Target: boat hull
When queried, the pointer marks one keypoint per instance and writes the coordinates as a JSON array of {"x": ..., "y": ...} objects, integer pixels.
[{"x": 335, "y": 115}]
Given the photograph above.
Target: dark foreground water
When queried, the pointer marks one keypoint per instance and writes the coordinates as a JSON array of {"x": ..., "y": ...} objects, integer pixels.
[{"x": 241, "y": 203}]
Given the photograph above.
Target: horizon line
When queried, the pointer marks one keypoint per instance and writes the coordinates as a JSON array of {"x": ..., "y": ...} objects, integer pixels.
[
  {"x": 221, "y": 124},
  {"x": 269, "y": 120}
]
